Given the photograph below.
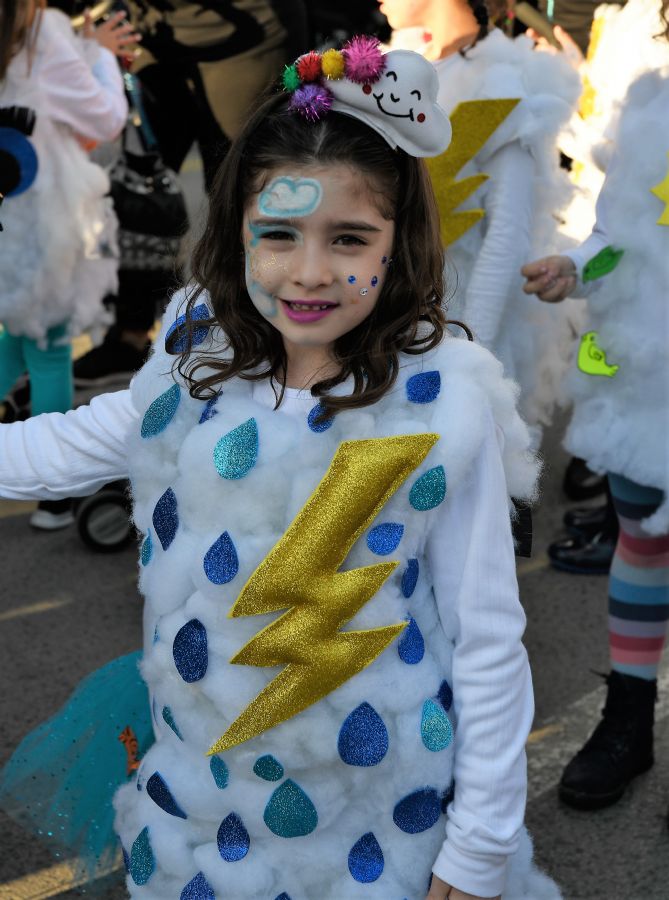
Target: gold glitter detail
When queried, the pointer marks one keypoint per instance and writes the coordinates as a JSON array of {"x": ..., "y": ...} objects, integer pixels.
[
  {"x": 301, "y": 574},
  {"x": 473, "y": 121},
  {"x": 661, "y": 191}
]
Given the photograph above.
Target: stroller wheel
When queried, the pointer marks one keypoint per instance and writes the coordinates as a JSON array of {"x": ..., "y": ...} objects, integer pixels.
[{"x": 103, "y": 521}]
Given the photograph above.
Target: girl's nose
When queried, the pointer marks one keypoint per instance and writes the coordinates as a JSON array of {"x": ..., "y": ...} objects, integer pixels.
[{"x": 311, "y": 267}]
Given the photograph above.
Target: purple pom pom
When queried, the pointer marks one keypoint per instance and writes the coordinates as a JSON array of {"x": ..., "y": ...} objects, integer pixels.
[
  {"x": 312, "y": 101},
  {"x": 364, "y": 59}
]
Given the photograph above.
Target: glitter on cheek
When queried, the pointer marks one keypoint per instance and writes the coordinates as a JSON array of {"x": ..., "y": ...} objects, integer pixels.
[
  {"x": 261, "y": 298},
  {"x": 364, "y": 292},
  {"x": 352, "y": 279}
]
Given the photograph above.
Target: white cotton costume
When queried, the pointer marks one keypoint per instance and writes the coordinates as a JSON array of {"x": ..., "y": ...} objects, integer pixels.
[
  {"x": 58, "y": 253},
  {"x": 621, "y": 423},
  {"x": 522, "y": 198}
]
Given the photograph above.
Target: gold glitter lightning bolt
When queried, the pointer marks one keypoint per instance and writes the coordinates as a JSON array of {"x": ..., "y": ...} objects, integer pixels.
[
  {"x": 301, "y": 574},
  {"x": 661, "y": 191},
  {"x": 473, "y": 122}
]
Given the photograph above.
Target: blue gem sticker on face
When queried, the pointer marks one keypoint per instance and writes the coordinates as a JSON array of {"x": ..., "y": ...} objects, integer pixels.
[
  {"x": 363, "y": 738},
  {"x": 418, "y": 811},
  {"x": 161, "y": 795},
  {"x": 436, "y": 730},
  {"x": 190, "y": 651},
  {"x": 289, "y": 812},
  {"x": 220, "y": 562},
  {"x": 424, "y": 387},
  {"x": 233, "y": 839},
  {"x": 375, "y": 281},
  {"x": 142, "y": 861},
  {"x": 161, "y": 412},
  {"x": 166, "y": 518},
  {"x": 429, "y": 490},
  {"x": 288, "y": 198},
  {"x": 352, "y": 279},
  {"x": 237, "y": 451},
  {"x": 198, "y": 335},
  {"x": 383, "y": 539},
  {"x": 198, "y": 889},
  {"x": 365, "y": 859}
]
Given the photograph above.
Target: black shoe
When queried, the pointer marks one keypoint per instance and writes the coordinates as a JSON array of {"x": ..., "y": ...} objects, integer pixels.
[
  {"x": 16, "y": 405},
  {"x": 580, "y": 483},
  {"x": 590, "y": 520},
  {"x": 620, "y": 748},
  {"x": 51, "y": 515},
  {"x": 584, "y": 555},
  {"x": 112, "y": 364}
]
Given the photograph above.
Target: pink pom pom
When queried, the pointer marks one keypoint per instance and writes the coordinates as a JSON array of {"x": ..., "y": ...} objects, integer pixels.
[
  {"x": 312, "y": 101},
  {"x": 364, "y": 60}
]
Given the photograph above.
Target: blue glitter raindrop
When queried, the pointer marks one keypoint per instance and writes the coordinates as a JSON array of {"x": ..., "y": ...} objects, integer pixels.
[
  {"x": 418, "y": 811},
  {"x": 199, "y": 334},
  {"x": 429, "y": 490},
  {"x": 219, "y": 772},
  {"x": 363, "y": 738},
  {"x": 142, "y": 860},
  {"x": 198, "y": 889},
  {"x": 168, "y": 718},
  {"x": 424, "y": 387},
  {"x": 268, "y": 768},
  {"x": 448, "y": 797},
  {"x": 221, "y": 563},
  {"x": 383, "y": 539},
  {"x": 146, "y": 553},
  {"x": 445, "y": 695},
  {"x": 352, "y": 279},
  {"x": 166, "y": 518},
  {"x": 161, "y": 412},
  {"x": 289, "y": 812},
  {"x": 156, "y": 636},
  {"x": 237, "y": 451},
  {"x": 410, "y": 578},
  {"x": 436, "y": 730},
  {"x": 321, "y": 426},
  {"x": 209, "y": 410},
  {"x": 283, "y": 896},
  {"x": 365, "y": 859},
  {"x": 233, "y": 839},
  {"x": 161, "y": 795},
  {"x": 190, "y": 651},
  {"x": 411, "y": 646}
]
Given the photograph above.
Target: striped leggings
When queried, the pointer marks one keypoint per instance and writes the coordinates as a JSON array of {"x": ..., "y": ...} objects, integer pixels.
[{"x": 639, "y": 583}]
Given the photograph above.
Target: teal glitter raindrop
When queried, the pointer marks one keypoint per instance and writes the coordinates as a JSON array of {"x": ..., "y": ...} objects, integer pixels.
[
  {"x": 221, "y": 563},
  {"x": 268, "y": 768},
  {"x": 219, "y": 771},
  {"x": 383, "y": 539},
  {"x": 289, "y": 812},
  {"x": 435, "y": 727},
  {"x": 237, "y": 451},
  {"x": 142, "y": 860},
  {"x": 146, "y": 553},
  {"x": 365, "y": 859},
  {"x": 161, "y": 412},
  {"x": 411, "y": 646},
  {"x": 198, "y": 889},
  {"x": 233, "y": 839},
  {"x": 424, "y": 387},
  {"x": 168, "y": 718},
  {"x": 429, "y": 490}
]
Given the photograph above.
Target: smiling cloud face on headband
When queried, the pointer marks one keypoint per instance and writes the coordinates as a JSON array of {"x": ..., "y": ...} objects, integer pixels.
[
  {"x": 401, "y": 105},
  {"x": 288, "y": 198}
]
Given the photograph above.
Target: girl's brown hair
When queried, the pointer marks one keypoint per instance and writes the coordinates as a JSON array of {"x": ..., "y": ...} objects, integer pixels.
[
  {"x": 408, "y": 316},
  {"x": 16, "y": 31}
]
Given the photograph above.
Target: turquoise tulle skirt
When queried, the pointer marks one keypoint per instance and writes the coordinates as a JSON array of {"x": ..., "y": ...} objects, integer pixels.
[{"x": 60, "y": 781}]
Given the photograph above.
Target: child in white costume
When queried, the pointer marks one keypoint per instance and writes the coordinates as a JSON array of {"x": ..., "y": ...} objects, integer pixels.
[
  {"x": 305, "y": 411},
  {"x": 522, "y": 196},
  {"x": 57, "y": 253}
]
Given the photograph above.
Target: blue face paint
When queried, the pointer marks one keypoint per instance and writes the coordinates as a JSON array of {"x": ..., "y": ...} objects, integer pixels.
[
  {"x": 288, "y": 198},
  {"x": 263, "y": 301},
  {"x": 258, "y": 231}
]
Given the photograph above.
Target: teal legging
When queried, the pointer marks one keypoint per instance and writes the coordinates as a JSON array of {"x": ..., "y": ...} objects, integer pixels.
[{"x": 50, "y": 370}]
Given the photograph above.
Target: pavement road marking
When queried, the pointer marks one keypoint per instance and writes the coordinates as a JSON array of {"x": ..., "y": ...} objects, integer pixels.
[
  {"x": 51, "y": 882},
  {"x": 34, "y": 608}
]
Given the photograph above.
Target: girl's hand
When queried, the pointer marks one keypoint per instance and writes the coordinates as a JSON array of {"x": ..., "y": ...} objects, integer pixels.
[
  {"x": 552, "y": 278},
  {"x": 439, "y": 890},
  {"x": 116, "y": 34},
  {"x": 572, "y": 52}
]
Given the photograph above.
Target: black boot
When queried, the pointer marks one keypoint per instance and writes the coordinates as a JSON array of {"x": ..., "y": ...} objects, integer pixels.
[
  {"x": 620, "y": 748},
  {"x": 584, "y": 554},
  {"x": 580, "y": 482}
]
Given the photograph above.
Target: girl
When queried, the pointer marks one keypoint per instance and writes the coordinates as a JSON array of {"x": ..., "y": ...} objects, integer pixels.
[
  {"x": 308, "y": 440},
  {"x": 620, "y": 424},
  {"x": 56, "y": 252},
  {"x": 525, "y": 188}
]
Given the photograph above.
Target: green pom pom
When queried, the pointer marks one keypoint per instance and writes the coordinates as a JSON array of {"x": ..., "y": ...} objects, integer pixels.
[{"x": 291, "y": 80}]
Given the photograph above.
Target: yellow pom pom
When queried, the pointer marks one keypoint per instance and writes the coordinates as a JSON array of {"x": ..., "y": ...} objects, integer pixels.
[{"x": 332, "y": 63}]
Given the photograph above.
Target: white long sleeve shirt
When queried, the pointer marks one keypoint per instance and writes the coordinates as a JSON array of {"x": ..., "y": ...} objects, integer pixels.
[{"x": 73, "y": 454}]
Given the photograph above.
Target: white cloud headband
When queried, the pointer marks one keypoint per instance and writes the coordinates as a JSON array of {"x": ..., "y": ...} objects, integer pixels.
[{"x": 394, "y": 93}]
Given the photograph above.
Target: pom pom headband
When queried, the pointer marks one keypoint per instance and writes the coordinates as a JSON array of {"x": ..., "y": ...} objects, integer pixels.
[{"x": 394, "y": 93}]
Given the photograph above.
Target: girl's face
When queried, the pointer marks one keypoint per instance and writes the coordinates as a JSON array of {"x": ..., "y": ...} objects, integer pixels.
[
  {"x": 408, "y": 13},
  {"x": 317, "y": 252}
]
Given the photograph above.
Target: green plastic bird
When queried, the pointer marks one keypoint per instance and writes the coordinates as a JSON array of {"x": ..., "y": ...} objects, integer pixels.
[{"x": 592, "y": 359}]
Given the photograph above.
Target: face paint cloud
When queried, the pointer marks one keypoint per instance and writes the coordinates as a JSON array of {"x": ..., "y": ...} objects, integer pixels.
[{"x": 288, "y": 198}]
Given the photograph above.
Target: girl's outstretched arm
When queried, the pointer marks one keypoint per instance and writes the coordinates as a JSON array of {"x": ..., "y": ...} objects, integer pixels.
[
  {"x": 471, "y": 557},
  {"x": 58, "y": 455}
]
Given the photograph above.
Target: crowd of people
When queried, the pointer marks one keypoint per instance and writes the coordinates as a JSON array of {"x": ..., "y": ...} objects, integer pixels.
[{"x": 422, "y": 237}]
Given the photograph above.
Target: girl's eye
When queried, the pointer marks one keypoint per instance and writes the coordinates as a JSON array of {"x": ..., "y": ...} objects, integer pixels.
[
  {"x": 350, "y": 240},
  {"x": 277, "y": 236}
]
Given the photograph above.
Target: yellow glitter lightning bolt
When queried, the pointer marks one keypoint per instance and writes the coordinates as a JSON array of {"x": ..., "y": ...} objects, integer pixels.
[
  {"x": 661, "y": 191},
  {"x": 301, "y": 574},
  {"x": 473, "y": 122}
]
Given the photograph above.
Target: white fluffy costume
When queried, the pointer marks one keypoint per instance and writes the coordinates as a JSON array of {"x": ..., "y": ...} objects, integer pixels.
[
  {"x": 522, "y": 197},
  {"x": 57, "y": 252},
  {"x": 344, "y": 798},
  {"x": 621, "y": 423}
]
